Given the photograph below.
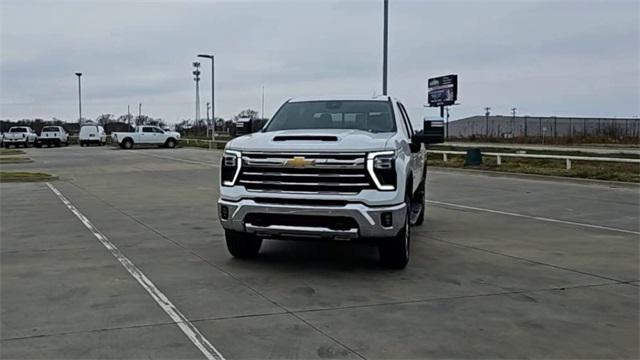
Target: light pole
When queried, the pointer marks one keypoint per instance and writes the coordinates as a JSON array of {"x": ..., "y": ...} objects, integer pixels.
[
  {"x": 78, "y": 74},
  {"x": 213, "y": 107},
  {"x": 196, "y": 74},
  {"x": 486, "y": 116},
  {"x": 385, "y": 41}
]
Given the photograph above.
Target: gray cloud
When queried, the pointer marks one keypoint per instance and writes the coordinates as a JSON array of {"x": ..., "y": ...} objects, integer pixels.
[{"x": 556, "y": 57}]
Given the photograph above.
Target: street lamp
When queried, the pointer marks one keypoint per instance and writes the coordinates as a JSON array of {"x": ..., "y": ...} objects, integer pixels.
[
  {"x": 213, "y": 107},
  {"x": 196, "y": 74},
  {"x": 78, "y": 74}
]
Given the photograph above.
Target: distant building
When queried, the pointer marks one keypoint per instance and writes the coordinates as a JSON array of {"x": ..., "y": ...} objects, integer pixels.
[{"x": 534, "y": 126}]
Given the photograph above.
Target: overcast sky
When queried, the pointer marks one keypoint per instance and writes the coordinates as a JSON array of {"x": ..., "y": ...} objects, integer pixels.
[{"x": 564, "y": 58}]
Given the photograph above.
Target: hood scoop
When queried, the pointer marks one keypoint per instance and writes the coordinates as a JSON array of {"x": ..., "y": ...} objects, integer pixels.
[{"x": 305, "y": 138}]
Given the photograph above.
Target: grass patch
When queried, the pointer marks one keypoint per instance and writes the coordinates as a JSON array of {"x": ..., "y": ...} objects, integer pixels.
[
  {"x": 579, "y": 169},
  {"x": 23, "y": 176},
  {"x": 4, "y": 151},
  {"x": 15, "y": 160}
]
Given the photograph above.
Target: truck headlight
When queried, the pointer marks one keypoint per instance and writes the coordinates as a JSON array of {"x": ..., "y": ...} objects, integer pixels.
[
  {"x": 230, "y": 167},
  {"x": 382, "y": 169}
]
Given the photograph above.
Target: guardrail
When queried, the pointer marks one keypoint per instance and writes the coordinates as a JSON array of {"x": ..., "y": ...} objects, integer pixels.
[
  {"x": 566, "y": 158},
  {"x": 219, "y": 144}
]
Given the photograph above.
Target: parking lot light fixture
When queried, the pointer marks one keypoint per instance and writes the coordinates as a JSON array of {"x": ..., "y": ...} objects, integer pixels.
[{"x": 213, "y": 107}]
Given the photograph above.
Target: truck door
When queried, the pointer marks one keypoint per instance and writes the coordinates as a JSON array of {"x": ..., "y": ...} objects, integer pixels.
[
  {"x": 160, "y": 136},
  {"x": 147, "y": 135},
  {"x": 417, "y": 154}
]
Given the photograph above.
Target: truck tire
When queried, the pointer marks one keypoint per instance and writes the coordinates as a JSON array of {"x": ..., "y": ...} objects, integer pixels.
[
  {"x": 57, "y": 143},
  {"x": 126, "y": 144},
  {"x": 395, "y": 251},
  {"x": 170, "y": 143},
  {"x": 242, "y": 245}
]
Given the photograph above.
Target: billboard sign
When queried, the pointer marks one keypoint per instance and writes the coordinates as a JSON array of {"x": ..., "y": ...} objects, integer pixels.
[{"x": 442, "y": 90}]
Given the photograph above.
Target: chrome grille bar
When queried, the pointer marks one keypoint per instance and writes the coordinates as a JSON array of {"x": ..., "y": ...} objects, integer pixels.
[{"x": 305, "y": 172}]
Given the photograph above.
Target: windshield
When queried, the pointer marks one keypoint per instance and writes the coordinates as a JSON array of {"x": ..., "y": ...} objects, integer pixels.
[
  {"x": 49, "y": 129},
  {"x": 19, "y": 130},
  {"x": 366, "y": 115}
]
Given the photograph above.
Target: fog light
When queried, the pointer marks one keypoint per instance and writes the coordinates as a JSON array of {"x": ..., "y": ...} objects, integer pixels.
[
  {"x": 386, "y": 219},
  {"x": 224, "y": 212}
]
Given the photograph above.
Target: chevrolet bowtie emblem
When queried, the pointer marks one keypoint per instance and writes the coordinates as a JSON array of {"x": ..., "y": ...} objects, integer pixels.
[{"x": 298, "y": 161}]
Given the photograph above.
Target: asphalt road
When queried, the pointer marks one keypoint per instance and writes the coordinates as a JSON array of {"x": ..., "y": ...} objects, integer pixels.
[{"x": 503, "y": 267}]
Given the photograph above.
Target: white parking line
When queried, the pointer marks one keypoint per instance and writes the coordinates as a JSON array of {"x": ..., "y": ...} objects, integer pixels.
[
  {"x": 208, "y": 350},
  {"x": 539, "y": 218}
]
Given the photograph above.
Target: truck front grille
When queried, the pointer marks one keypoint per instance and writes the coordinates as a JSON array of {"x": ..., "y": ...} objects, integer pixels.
[{"x": 305, "y": 172}]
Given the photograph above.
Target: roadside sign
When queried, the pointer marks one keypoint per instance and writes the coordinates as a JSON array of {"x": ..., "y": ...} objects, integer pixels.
[{"x": 442, "y": 90}]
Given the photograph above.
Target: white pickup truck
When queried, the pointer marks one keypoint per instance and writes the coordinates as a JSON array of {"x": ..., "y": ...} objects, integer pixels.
[
  {"x": 146, "y": 135},
  {"x": 19, "y": 135},
  {"x": 53, "y": 135}
]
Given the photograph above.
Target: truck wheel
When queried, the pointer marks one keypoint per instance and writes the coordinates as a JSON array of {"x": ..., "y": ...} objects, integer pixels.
[
  {"x": 242, "y": 245},
  {"x": 394, "y": 252},
  {"x": 127, "y": 144},
  {"x": 6, "y": 146},
  {"x": 171, "y": 143},
  {"x": 58, "y": 143}
]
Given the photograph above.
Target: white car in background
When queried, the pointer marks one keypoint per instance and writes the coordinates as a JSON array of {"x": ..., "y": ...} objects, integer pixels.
[
  {"x": 53, "y": 135},
  {"x": 146, "y": 135},
  {"x": 19, "y": 135},
  {"x": 92, "y": 134}
]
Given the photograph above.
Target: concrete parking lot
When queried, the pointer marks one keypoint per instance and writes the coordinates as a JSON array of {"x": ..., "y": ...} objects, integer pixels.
[{"x": 503, "y": 267}]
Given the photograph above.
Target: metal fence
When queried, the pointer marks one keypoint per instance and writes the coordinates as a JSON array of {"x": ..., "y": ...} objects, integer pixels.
[{"x": 544, "y": 127}]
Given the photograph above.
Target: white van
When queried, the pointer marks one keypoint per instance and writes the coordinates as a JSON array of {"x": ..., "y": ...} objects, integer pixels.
[{"x": 92, "y": 134}]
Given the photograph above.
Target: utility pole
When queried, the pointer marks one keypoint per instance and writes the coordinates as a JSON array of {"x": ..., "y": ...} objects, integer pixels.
[
  {"x": 128, "y": 115},
  {"x": 78, "y": 74},
  {"x": 486, "y": 118},
  {"x": 140, "y": 113},
  {"x": 385, "y": 43},
  {"x": 196, "y": 74}
]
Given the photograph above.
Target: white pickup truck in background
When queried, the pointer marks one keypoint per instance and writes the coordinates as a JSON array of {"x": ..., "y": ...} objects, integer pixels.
[
  {"x": 146, "y": 135},
  {"x": 53, "y": 135},
  {"x": 19, "y": 135}
]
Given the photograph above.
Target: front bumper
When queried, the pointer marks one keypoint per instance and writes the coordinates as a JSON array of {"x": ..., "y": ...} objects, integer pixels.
[{"x": 368, "y": 220}]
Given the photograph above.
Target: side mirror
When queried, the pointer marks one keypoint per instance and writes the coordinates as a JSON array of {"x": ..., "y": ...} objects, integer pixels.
[{"x": 432, "y": 133}]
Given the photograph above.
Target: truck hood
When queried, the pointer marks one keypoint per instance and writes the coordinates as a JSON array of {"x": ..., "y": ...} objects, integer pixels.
[{"x": 329, "y": 140}]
